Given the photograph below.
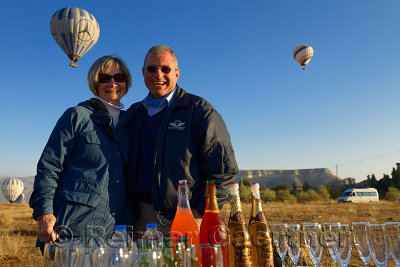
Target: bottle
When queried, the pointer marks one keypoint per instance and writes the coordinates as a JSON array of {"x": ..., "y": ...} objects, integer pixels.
[
  {"x": 127, "y": 238},
  {"x": 213, "y": 229},
  {"x": 168, "y": 252},
  {"x": 179, "y": 255},
  {"x": 117, "y": 245},
  {"x": 184, "y": 224},
  {"x": 239, "y": 237},
  {"x": 152, "y": 238},
  {"x": 261, "y": 243}
]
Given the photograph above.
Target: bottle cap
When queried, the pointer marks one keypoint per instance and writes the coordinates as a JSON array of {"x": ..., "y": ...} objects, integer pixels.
[
  {"x": 120, "y": 228},
  {"x": 151, "y": 225},
  {"x": 210, "y": 182},
  {"x": 234, "y": 189},
  {"x": 182, "y": 183},
  {"x": 255, "y": 189}
]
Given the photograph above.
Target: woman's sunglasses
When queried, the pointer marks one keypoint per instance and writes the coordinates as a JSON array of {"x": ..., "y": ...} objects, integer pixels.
[
  {"x": 119, "y": 78},
  {"x": 164, "y": 69}
]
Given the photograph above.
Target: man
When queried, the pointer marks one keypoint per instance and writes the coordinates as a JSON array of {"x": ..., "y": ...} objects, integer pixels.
[{"x": 174, "y": 136}]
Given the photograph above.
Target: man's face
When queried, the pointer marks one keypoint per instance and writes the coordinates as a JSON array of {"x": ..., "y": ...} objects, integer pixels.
[{"x": 156, "y": 79}]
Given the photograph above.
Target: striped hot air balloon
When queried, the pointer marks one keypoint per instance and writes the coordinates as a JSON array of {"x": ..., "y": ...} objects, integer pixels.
[
  {"x": 303, "y": 54},
  {"x": 75, "y": 30},
  {"x": 12, "y": 188}
]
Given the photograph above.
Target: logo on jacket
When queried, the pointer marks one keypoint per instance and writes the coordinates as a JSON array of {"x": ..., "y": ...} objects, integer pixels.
[{"x": 177, "y": 125}]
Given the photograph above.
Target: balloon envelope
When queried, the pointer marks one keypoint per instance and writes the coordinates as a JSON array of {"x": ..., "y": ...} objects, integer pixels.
[
  {"x": 12, "y": 188},
  {"x": 20, "y": 199},
  {"x": 75, "y": 30},
  {"x": 303, "y": 54}
]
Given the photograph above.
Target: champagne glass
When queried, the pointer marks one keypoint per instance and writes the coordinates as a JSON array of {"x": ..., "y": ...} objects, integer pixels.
[
  {"x": 360, "y": 235},
  {"x": 61, "y": 257},
  {"x": 377, "y": 244},
  {"x": 210, "y": 255},
  {"x": 345, "y": 245},
  {"x": 392, "y": 233},
  {"x": 331, "y": 239},
  {"x": 279, "y": 237},
  {"x": 293, "y": 236},
  {"x": 100, "y": 256},
  {"x": 48, "y": 255},
  {"x": 312, "y": 237}
]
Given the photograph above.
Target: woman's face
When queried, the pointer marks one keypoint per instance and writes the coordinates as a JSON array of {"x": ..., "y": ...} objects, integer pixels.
[{"x": 112, "y": 89}]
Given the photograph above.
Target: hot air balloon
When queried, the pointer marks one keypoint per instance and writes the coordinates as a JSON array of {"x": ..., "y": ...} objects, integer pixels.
[
  {"x": 12, "y": 188},
  {"x": 20, "y": 199},
  {"x": 75, "y": 30},
  {"x": 303, "y": 54}
]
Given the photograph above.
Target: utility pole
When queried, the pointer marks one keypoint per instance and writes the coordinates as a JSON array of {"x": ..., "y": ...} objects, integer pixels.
[{"x": 337, "y": 182}]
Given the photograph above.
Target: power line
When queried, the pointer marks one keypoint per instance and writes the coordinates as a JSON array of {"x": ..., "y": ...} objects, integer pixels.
[{"x": 361, "y": 160}]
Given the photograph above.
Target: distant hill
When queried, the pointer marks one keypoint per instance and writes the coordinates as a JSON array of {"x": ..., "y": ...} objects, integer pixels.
[
  {"x": 266, "y": 179},
  {"x": 28, "y": 188},
  {"x": 314, "y": 177}
]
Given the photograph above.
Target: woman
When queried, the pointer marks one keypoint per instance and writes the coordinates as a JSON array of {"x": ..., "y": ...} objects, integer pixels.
[{"x": 80, "y": 182}]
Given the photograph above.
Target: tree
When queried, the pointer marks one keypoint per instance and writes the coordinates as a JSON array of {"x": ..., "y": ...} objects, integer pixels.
[
  {"x": 332, "y": 192},
  {"x": 294, "y": 186},
  {"x": 373, "y": 182},
  {"x": 395, "y": 177},
  {"x": 306, "y": 187}
]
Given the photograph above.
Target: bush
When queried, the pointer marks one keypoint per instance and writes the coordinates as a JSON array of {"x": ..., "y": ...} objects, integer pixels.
[
  {"x": 267, "y": 195},
  {"x": 246, "y": 182},
  {"x": 279, "y": 187},
  {"x": 310, "y": 195},
  {"x": 323, "y": 192},
  {"x": 301, "y": 196},
  {"x": 285, "y": 196},
  {"x": 245, "y": 193},
  {"x": 392, "y": 194}
]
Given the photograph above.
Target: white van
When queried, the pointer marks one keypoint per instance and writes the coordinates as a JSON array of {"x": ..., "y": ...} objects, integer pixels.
[{"x": 359, "y": 195}]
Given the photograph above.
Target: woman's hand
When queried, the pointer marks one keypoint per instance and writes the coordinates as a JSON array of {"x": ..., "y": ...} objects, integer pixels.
[{"x": 45, "y": 224}]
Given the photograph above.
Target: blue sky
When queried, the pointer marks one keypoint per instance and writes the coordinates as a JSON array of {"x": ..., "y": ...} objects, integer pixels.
[{"x": 343, "y": 109}]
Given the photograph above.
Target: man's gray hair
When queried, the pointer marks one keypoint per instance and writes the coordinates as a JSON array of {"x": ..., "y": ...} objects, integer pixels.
[{"x": 159, "y": 50}]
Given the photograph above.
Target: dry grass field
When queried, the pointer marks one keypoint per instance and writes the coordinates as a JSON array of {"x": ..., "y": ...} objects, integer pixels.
[{"x": 18, "y": 230}]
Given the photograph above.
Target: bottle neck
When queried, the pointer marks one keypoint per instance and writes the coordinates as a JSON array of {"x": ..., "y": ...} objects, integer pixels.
[
  {"x": 236, "y": 211},
  {"x": 183, "y": 197},
  {"x": 256, "y": 208},
  {"x": 211, "y": 199}
]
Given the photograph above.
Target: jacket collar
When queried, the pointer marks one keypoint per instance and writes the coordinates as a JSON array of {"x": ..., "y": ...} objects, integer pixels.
[
  {"x": 181, "y": 98},
  {"x": 100, "y": 113}
]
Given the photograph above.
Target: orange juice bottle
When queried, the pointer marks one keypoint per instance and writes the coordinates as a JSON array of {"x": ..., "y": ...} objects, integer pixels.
[{"x": 184, "y": 224}]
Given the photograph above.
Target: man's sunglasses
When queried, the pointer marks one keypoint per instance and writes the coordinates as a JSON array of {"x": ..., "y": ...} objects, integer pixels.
[
  {"x": 119, "y": 77},
  {"x": 164, "y": 69}
]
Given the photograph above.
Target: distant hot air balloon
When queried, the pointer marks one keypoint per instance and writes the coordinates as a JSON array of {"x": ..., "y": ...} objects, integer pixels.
[
  {"x": 75, "y": 30},
  {"x": 12, "y": 188},
  {"x": 303, "y": 54}
]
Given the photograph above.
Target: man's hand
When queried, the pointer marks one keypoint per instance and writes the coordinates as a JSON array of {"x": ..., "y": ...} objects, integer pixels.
[{"x": 45, "y": 224}]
